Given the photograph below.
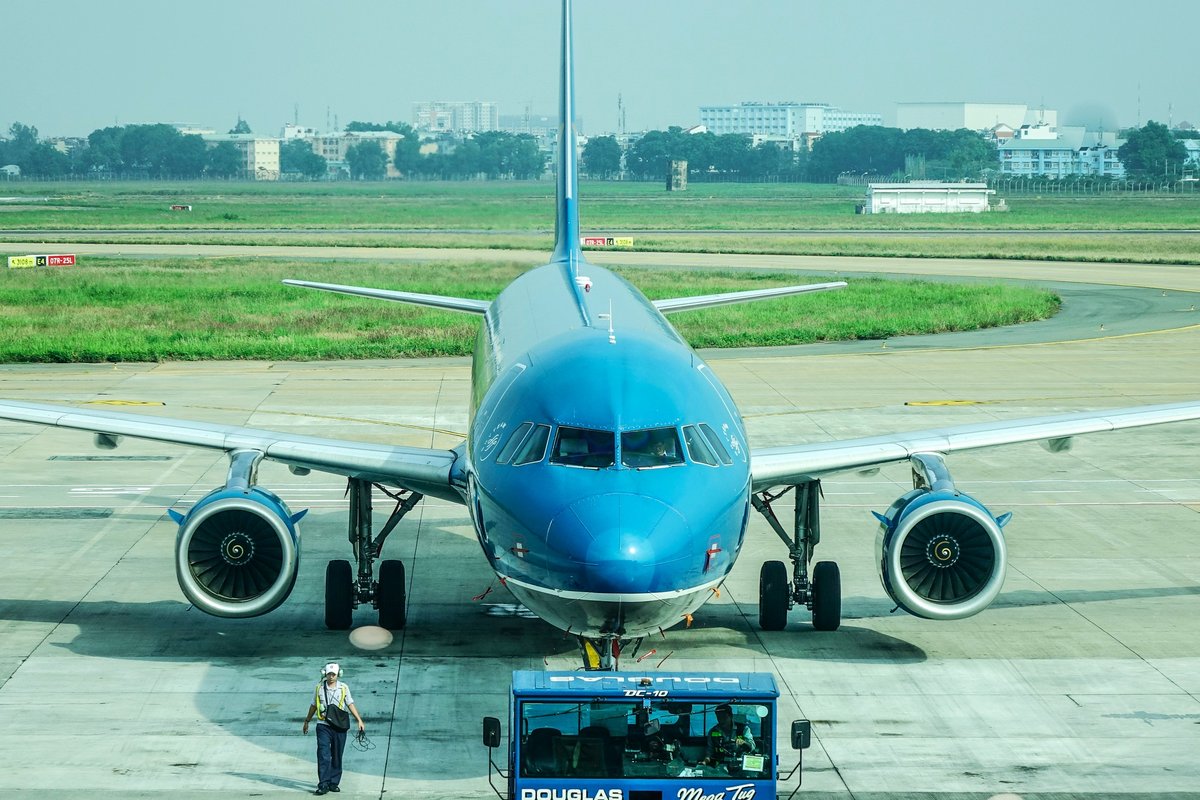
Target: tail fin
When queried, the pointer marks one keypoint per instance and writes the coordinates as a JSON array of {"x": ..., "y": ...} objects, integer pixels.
[{"x": 566, "y": 228}]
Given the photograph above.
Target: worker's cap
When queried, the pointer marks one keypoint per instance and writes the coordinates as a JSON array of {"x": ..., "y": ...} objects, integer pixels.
[
  {"x": 334, "y": 668},
  {"x": 724, "y": 707}
]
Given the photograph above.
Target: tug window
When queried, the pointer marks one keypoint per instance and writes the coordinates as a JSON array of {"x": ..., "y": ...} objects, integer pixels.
[
  {"x": 582, "y": 447},
  {"x": 717, "y": 445},
  {"x": 514, "y": 441},
  {"x": 534, "y": 447},
  {"x": 656, "y": 447}
]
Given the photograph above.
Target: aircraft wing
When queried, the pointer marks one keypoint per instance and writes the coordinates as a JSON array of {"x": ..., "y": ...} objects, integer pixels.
[
  {"x": 777, "y": 466},
  {"x": 446, "y": 302},
  {"x": 674, "y": 304},
  {"x": 424, "y": 470}
]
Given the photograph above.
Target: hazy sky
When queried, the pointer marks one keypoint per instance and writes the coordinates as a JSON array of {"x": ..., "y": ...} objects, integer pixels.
[{"x": 72, "y": 66}]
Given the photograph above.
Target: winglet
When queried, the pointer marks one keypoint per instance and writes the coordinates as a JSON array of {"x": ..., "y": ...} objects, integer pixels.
[{"x": 566, "y": 229}]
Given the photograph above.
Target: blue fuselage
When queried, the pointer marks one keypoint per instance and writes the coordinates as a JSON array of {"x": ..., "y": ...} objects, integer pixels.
[{"x": 606, "y": 543}]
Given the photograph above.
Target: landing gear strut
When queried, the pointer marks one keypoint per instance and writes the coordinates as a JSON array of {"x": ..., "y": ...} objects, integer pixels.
[
  {"x": 603, "y": 654},
  {"x": 822, "y": 594},
  {"x": 345, "y": 592}
]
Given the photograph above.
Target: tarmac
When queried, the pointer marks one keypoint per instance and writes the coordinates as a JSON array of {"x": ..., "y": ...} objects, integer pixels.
[{"x": 1082, "y": 680}]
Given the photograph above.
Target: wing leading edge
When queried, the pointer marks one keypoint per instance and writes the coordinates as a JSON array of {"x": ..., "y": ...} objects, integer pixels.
[
  {"x": 424, "y": 470},
  {"x": 675, "y": 304},
  {"x": 777, "y": 466},
  {"x": 465, "y": 304}
]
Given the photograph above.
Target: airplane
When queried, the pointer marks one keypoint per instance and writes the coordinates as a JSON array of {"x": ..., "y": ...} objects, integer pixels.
[{"x": 606, "y": 470}]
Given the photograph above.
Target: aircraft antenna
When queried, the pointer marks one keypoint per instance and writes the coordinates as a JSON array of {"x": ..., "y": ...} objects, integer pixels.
[{"x": 612, "y": 335}]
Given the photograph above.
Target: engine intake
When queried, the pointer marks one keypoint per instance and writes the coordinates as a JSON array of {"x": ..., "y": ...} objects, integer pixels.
[
  {"x": 237, "y": 552},
  {"x": 941, "y": 554}
]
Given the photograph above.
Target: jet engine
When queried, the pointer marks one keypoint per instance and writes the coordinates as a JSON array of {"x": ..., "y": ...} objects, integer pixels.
[
  {"x": 941, "y": 553},
  {"x": 237, "y": 551}
]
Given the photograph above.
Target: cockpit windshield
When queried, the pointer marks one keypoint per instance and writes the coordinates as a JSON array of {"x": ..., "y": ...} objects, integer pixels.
[
  {"x": 654, "y": 447},
  {"x": 608, "y": 739},
  {"x": 583, "y": 447}
]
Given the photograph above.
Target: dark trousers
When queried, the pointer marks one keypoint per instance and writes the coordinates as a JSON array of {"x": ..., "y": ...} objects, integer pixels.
[{"x": 330, "y": 746}]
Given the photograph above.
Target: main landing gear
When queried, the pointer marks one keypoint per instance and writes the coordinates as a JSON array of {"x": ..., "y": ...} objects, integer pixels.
[
  {"x": 343, "y": 591},
  {"x": 822, "y": 593}
]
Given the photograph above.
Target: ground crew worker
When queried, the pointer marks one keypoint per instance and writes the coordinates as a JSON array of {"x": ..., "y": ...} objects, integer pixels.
[{"x": 331, "y": 742}]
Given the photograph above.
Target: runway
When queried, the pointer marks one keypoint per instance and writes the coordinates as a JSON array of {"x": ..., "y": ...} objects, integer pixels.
[{"x": 1083, "y": 680}]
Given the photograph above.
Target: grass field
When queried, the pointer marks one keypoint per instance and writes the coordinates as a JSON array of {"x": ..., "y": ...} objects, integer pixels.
[
  {"x": 529, "y": 207},
  {"x": 121, "y": 309}
]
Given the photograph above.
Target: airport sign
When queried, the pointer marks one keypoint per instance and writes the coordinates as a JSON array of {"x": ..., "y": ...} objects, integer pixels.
[{"x": 26, "y": 262}]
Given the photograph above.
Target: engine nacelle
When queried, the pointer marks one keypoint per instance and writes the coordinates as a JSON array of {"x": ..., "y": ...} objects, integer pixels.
[
  {"x": 237, "y": 552},
  {"x": 941, "y": 554}
]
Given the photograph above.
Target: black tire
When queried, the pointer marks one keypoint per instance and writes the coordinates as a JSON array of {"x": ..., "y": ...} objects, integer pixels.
[
  {"x": 339, "y": 596},
  {"x": 774, "y": 593},
  {"x": 826, "y": 596},
  {"x": 390, "y": 595}
]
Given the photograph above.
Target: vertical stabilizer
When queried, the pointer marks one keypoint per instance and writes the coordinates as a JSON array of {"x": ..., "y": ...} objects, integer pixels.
[{"x": 566, "y": 229}]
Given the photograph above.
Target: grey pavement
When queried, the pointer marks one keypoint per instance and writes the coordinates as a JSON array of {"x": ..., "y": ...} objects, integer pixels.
[{"x": 1083, "y": 680}]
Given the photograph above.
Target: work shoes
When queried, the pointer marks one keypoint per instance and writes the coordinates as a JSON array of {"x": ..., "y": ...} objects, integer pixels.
[
  {"x": 321, "y": 790},
  {"x": 334, "y": 788}
]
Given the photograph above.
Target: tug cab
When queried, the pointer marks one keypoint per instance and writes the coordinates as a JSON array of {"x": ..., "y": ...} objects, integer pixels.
[{"x": 633, "y": 736}]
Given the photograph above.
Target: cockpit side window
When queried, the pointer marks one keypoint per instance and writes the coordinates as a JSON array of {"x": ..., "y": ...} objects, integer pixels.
[
  {"x": 655, "y": 447},
  {"x": 698, "y": 449},
  {"x": 534, "y": 447},
  {"x": 583, "y": 447},
  {"x": 717, "y": 445},
  {"x": 506, "y": 453}
]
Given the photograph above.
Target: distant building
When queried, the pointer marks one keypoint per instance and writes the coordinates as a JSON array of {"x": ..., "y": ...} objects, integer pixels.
[
  {"x": 293, "y": 131},
  {"x": 333, "y": 147},
  {"x": 972, "y": 116},
  {"x": 446, "y": 116},
  {"x": 10, "y": 171},
  {"x": 191, "y": 129},
  {"x": 1041, "y": 150},
  {"x": 67, "y": 144},
  {"x": 804, "y": 122},
  {"x": 260, "y": 154},
  {"x": 1193, "y": 151},
  {"x": 926, "y": 197}
]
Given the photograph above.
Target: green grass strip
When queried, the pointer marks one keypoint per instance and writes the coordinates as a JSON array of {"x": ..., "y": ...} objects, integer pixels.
[{"x": 124, "y": 309}]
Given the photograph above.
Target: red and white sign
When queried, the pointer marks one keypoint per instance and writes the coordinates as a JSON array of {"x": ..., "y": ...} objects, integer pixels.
[{"x": 61, "y": 261}]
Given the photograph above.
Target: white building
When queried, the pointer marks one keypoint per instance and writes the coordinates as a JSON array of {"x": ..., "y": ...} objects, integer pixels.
[
  {"x": 294, "y": 131},
  {"x": 1193, "y": 151},
  {"x": 806, "y": 121},
  {"x": 453, "y": 116},
  {"x": 1040, "y": 150},
  {"x": 972, "y": 116},
  {"x": 260, "y": 154},
  {"x": 925, "y": 197},
  {"x": 333, "y": 147}
]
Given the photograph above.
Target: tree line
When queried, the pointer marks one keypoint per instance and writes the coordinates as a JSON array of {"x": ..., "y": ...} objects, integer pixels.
[
  {"x": 151, "y": 151},
  {"x": 161, "y": 151}
]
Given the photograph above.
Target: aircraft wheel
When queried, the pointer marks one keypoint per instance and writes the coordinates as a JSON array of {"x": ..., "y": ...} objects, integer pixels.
[
  {"x": 390, "y": 595},
  {"x": 339, "y": 596},
  {"x": 826, "y": 596},
  {"x": 774, "y": 592}
]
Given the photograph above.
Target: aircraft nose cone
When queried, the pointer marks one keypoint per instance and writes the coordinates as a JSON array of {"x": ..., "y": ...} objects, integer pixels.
[{"x": 621, "y": 540}]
